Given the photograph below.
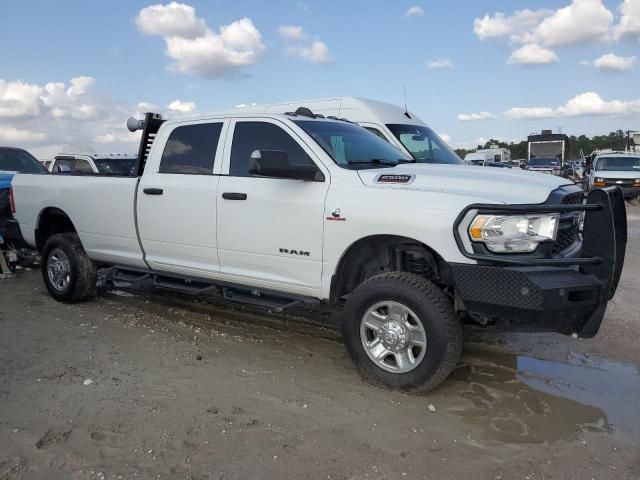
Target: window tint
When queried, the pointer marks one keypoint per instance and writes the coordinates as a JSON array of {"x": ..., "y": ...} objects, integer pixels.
[
  {"x": 191, "y": 149},
  {"x": 68, "y": 162},
  {"x": 423, "y": 144},
  {"x": 251, "y": 136},
  {"x": 82, "y": 166},
  {"x": 18, "y": 161}
]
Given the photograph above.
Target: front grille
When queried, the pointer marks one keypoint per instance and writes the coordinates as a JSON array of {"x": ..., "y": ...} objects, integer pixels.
[
  {"x": 569, "y": 227},
  {"x": 573, "y": 198},
  {"x": 619, "y": 182}
]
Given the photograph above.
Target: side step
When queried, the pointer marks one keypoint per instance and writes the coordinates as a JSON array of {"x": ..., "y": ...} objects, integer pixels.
[{"x": 120, "y": 277}]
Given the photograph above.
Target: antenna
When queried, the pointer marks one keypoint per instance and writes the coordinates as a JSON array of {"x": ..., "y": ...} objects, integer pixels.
[{"x": 406, "y": 110}]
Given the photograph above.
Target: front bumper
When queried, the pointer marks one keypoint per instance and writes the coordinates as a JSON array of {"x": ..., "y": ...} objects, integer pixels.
[{"x": 565, "y": 294}]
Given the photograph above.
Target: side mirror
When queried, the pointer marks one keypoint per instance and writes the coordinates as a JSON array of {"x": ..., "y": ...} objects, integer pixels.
[
  {"x": 276, "y": 164},
  {"x": 64, "y": 168}
]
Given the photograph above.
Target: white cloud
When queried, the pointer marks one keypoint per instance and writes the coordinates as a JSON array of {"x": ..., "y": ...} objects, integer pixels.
[
  {"x": 446, "y": 137},
  {"x": 629, "y": 24},
  {"x": 580, "y": 23},
  {"x": 291, "y": 32},
  {"x": 468, "y": 117},
  {"x": 414, "y": 11},
  {"x": 45, "y": 116},
  {"x": 195, "y": 48},
  {"x": 80, "y": 85},
  {"x": 613, "y": 62},
  {"x": 19, "y": 99},
  {"x": 440, "y": 63},
  {"x": 172, "y": 20},
  {"x": 182, "y": 107},
  {"x": 317, "y": 52},
  {"x": 533, "y": 54},
  {"x": 584, "y": 104},
  {"x": 501, "y": 25},
  {"x": 16, "y": 136},
  {"x": 299, "y": 45}
]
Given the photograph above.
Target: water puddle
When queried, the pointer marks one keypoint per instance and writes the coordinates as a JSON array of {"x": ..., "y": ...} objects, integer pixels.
[{"x": 524, "y": 399}]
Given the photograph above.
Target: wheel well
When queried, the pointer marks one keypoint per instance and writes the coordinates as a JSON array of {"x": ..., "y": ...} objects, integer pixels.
[
  {"x": 52, "y": 221},
  {"x": 377, "y": 254}
]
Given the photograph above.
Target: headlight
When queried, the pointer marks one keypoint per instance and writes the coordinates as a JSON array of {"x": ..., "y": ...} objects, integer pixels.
[{"x": 513, "y": 233}]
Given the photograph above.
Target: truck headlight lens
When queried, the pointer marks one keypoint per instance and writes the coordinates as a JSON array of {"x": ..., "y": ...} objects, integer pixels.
[{"x": 513, "y": 233}]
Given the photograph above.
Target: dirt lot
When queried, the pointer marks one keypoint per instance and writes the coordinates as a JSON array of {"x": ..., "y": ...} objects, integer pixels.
[{"x": 154, "y": 385}]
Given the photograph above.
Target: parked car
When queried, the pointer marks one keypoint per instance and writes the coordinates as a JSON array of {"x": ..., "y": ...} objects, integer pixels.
[
  {"x": 620, "y": 169},
  {"x": 278, "y": 210},
  {"x": 12, "y": 161},
  {"x": 97, "y": 164},
  {"x": 549, "y": 165}
]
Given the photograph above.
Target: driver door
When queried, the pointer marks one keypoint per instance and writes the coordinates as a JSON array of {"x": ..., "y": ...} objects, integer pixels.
[{"x": 270, "y": 230}]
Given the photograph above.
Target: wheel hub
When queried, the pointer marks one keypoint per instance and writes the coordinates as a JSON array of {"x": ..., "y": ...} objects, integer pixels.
[
  {"x": 59, "y": 269},
  {"x": 394, "y": 336}
]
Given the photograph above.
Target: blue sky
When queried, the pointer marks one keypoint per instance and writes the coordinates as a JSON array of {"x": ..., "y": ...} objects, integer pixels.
[{"x": 494, "y": 56}]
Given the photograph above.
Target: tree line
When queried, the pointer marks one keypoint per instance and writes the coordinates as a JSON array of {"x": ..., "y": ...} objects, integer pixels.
[{"x": 615, "y": 140}]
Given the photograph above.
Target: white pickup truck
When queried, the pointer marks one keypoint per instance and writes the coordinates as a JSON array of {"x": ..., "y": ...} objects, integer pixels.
[{"x": 283, "y": 209}]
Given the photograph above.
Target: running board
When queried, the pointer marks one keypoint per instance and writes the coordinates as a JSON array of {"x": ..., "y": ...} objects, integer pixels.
[{"x": 120, "y": 277}]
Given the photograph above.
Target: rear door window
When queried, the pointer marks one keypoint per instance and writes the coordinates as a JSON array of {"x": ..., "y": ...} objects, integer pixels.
[{"x": 191, "y": 149}]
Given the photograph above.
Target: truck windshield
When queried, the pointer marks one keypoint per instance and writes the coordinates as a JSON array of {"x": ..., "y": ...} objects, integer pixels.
[
  {"x": 619, "y": 164},
  {"x": 352, "y": 146},
  {"x": 423, "y": 144},
  {"x": 544, "y": 162},
  {"x": 19, "y": 161},
  {"x": 115, "y": 166}
]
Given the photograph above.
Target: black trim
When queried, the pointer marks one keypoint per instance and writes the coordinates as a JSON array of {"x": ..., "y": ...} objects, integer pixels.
[{"x": 234, "y": 196}]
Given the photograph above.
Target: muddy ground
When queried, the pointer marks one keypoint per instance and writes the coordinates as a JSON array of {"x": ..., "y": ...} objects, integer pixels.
[{"x": 156, "y": 385}]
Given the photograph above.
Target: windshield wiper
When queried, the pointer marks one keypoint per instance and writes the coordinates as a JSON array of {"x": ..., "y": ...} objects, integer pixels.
[{"x": 381, "y": 161}]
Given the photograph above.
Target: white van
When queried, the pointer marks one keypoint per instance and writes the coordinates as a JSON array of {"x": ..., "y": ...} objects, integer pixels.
[{"x": 396, "y": 125}]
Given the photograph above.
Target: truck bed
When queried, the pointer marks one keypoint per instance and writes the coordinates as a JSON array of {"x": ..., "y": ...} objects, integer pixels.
[{"x": 105, "y": 222}]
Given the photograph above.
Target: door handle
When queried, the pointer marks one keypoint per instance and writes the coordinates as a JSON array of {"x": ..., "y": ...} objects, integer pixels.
[
  {"x": 153, "y": 191},
  {"x": 234, "y": 196}
]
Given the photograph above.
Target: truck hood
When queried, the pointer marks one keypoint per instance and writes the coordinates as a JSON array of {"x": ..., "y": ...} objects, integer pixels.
[
  {"x": 483, "y": 184},
  {"x": 616, "y": 174}
]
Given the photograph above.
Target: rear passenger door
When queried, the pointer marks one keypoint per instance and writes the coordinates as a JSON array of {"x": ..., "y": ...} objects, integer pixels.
[
  {"x": 177, "y": 200},
  {"x": 270, "y": 230}
]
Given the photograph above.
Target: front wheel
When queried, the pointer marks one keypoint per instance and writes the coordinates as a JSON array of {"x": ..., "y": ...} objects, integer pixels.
[
  {"x": 68, "y": 272},
  {"x": 401, "y": 332}
]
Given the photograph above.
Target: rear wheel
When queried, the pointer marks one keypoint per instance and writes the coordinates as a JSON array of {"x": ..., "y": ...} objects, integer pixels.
[
  {"x": 401, "y": 332},
  {"x": 68, "y": 273}
]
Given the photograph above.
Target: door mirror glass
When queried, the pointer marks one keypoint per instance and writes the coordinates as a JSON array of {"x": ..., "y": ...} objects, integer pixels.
[{"x": 276, "y": 164}]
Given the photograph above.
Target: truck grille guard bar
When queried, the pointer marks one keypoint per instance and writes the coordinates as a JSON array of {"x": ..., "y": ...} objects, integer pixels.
[{"x": 604, "y": 235}]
